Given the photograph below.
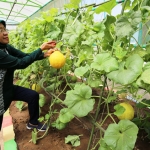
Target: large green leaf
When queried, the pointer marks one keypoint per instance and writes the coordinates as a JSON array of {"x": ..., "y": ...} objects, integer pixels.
[
  {"x": 107, "y": 7},
  {"x": 121, "y": 136},
  {"x": 127, "y": 25},
  {"x": 94, "y": 82},
  {"x": 128, "y": 73},
  {"x": 81, "y": 70},
  {"x": 145, "y": 76},
  {"x": 135, "y": 63},
  {"x": 65, "y": 115},
  {"x": 54, "y": 32},
  {"x": 79, "y": 100},
  {"x": 105, "y": 62},
  {"x": 58, "y": 124},
  {"x": 87, "y": 49},
  {"x": 72, "y": 32}
]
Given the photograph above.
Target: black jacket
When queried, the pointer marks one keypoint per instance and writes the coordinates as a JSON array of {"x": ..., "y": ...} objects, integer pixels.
[{"x": 15, "y": 59}]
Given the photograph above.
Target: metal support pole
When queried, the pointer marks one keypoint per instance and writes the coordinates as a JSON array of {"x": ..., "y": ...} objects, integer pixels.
[{"x": 11, "y": 9}]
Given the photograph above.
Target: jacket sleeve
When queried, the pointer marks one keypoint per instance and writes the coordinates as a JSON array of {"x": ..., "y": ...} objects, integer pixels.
[
  {"x": 19, "y": 54},
  {"x": 20, "y": 61}
]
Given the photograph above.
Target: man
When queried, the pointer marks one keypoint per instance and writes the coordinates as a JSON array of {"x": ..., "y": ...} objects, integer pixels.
[{"x": 11, "y": 59}]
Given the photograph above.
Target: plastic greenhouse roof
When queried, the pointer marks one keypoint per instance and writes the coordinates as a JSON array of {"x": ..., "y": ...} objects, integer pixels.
[{"x": 16, "y": 11}]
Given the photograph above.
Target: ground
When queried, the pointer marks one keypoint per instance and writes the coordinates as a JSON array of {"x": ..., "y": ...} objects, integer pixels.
[{"x": 55, "y": 140}]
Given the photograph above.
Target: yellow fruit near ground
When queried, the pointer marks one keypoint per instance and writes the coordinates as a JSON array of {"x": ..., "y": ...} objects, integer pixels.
[
  {"x": 57, "y": 60},
  {"x": 128, "y": 113},
  {"x": 36, "y": 87}
]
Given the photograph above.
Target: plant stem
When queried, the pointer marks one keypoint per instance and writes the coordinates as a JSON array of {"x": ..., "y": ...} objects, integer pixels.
[
  {"x": 97, "y": 111},
  {"x": 123, "y": 7},
  {"x": 104, "y": 120},
  {"x": 141, "y": 4},
  {"x": 144, "y": 40},
  {"x": 137, "y": 42},
  {"x": 75, "y": 19},
  {"x": 112, "y": 118}
]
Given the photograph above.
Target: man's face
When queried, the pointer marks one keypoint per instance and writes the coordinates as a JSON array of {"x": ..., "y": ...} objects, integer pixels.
[{"x": 4, "y": 39}]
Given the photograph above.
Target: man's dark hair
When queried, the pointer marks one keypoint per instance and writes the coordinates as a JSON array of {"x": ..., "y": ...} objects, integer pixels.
[{"x": 3, "y": 22}]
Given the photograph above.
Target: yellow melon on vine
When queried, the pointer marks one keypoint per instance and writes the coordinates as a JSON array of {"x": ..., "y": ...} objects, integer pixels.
[
  {"x": 57, "y": 60},
  {"x": 128, "y": 113},
  {"x": 36, "y": 87}
]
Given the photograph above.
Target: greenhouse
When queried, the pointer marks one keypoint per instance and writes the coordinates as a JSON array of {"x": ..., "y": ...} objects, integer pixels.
[{"x": 74, "y": 74}]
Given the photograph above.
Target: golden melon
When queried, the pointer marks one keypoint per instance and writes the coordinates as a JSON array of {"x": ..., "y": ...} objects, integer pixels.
[
  {"x": 36, "y": 87},
  {"x": 128, "y": 113},
  {"x": 57, "y": 60}
]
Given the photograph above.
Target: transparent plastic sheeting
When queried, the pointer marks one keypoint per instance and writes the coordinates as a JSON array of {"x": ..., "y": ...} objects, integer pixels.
[{"x": 16, "y": 11}]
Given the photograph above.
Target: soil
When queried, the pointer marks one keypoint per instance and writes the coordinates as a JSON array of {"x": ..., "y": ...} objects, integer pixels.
[{"x": 55, "y": 140}]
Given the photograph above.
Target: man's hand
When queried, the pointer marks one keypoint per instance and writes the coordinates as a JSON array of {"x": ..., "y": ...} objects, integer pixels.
[
  {"x": 49, "y": 52},
  {"x": 48, "y": 45}
]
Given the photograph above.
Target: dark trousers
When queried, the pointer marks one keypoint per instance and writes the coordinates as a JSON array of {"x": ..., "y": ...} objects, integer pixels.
[{"x": 32, "y": 98}]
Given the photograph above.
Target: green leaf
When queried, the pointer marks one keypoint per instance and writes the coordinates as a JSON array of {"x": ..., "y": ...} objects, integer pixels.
[
  {"x": 51, "y": 87},
  {"x": 139, "y": 51},
  {"x": 79, "y": 100},
  {"x": 145, "y": 76},
  {"x": 81, "y": 70},
  {"x": 58, "y": 124},
  {"x": 108, "y": 36},
  {"x": 74, "y": 4},
  {"x": 127, "y": 25},
  {"x": 109, "y": 21},
  {"x": 103, "y": 145},
  {"x": 119, "y": 53},
  {"x": 104, "y": 62},
  {"x": 94, "y": 82},
  {"x": 73, "y": 139},
  {"x": 119, "y": 110},
  {"x": 19, "y": 105},
  {"x": 49, "y": 15},
  {"x": 128, "y": 73},
  {"x": 47, "y": 116},
  {"x": 106, "y": 7},
  {"x": 131, "y": 4},
  {"x": 145, "y": 103},
  {"x": 99, "y": 27},
  {"x": 121, "y": 136},
  {"x": 72, "y": 33},
  {"x": 41, "y": 119},
  {"x": 65, "y": 115},
  {"x": 83, "y": 90},
  {"x": 91, "y": 36},
  {"x": 82, "y": 57},
  {"x": 146, "y": 66},
  {"x": 54, "y": 32},
  {"x": 111, "y": 98},
  {"x": 134, "y": 63},
  {"x": 42, "y": 100}
]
